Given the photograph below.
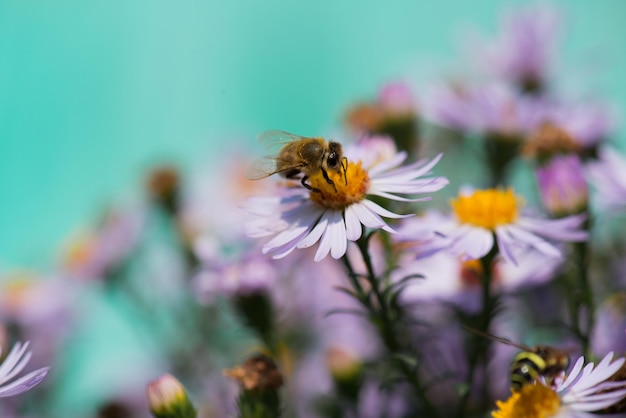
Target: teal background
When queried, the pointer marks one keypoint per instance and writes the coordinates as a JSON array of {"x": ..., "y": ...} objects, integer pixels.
[{"x": 92, "y": 92}]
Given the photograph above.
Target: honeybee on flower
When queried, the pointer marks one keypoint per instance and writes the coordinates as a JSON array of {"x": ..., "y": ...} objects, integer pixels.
[
  {"x": 300, "y": 157},
  {"x": 337, "y": 213}
]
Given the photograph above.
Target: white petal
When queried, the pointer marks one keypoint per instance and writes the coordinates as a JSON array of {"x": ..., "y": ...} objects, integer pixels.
[
  {"x": 522, "y": 236},
  {"x": 337, "y": 234},
  {"x": 596, "y": 402},
  {"x": 324, "y": 247},
  {"x": 11, "y": 360},
  {"x": 564, "y": 229},
  {"x": 315, "y": 234},
  {"x": 471, "y": 242},
  {"x": 366, "y": 217},
  {"x": 573, "y": 375},
  {"x": 353, "y": 226},
  {"x": 287, "y": 236},
  {"x": 374, "y": 207},
  {"x": 382, "y": 166},
  {"x": 24, "y": 383},
  {"x": 505, "y": 245}
]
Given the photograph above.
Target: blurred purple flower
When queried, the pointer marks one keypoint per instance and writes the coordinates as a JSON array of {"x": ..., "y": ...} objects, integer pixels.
[
  {"x": 450, "y": 105},
  {"x": 490, "y": 109},
  {"x": 562, "y": 185},
  {"x": 221, "y": 275},
  {"x": 523, "y": 51},
  {"x": 502, "y": 111},
  {"x": 396, "y": 98},
  {"x": 611, "y": 316},
  {"x": 378, "y": 402},
  {"x": 93, "y": 255},
  {"x": 606, "y": 175},
  {"x": 588, "y": 122},
  {"x": 446, "y": 278},
  {"x": 12, "y": 365}
]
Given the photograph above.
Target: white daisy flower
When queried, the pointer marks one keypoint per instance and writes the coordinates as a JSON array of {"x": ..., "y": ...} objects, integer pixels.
[
  {"x": 14, "y": 363},
  {"x": 583, "y": 391},
  {"x": 484, "y": 218},
  {"x": 337, "y": 213}
]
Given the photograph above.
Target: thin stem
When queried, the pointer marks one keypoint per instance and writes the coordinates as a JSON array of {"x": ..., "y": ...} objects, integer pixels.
[
  {"x": 381, "y": 314},
  {"x": 481, "y": 345},
  {"x": 585, "y": 297}
]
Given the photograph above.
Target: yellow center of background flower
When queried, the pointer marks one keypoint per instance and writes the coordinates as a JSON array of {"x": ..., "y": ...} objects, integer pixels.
[
  {"x": 531, "y": 401},
  {"x": 339, "y": 194},
  {"x": 486, "y": 208}
]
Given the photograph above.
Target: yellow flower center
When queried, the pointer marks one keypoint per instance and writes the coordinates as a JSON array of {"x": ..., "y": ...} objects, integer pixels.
[
  {"x": 340, "y": 193},
  {"x": 487, "y": 208},
  {"x": 531, "y": 401}
]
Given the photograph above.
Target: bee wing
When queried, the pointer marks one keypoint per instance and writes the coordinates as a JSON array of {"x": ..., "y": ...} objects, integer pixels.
[
  {"x": 261, "y": 168},
  {"x": 266, "y": 166},
  {"x": 274, "y": 140}
]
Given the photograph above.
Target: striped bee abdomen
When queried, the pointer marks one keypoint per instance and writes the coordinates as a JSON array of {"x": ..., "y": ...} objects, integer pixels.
[{"x": 526, "y": 368}]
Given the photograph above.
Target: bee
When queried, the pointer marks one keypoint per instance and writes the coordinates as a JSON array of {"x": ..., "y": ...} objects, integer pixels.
[
  {"x": 299, "y": 157},
  {"x": 532, "y": 362}
]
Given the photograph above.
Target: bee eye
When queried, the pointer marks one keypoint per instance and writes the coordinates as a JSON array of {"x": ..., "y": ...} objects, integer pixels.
[{"x": 332, "y": 159}]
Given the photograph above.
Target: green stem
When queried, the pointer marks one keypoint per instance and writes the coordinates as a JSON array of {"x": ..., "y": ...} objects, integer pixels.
[
  {"x": 380, "y": 312},
  {"x": 481, "y": 344},
  {"x": 584, "y": 299}
]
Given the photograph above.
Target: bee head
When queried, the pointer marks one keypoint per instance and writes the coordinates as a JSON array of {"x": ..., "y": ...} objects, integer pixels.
[
  {"x": 335, "y": 156},
  {"x": 555, "y": 359}
]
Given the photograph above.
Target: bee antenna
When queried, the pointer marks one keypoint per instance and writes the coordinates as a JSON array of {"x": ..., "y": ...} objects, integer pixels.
[
  {"x": 495, "y": 338},
  {"x": 344, "y": 164}
]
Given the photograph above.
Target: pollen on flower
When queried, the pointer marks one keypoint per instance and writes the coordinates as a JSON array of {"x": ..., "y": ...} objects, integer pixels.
[
  {"x": 341, "y": 193},
  {"x": 487, "y": 208},
  {"x": 531, "y": 401}
]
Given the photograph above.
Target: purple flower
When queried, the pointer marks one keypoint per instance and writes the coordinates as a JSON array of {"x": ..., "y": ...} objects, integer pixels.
[
  {"x": 396, "y": 98},
  {"x": 562, "y": 185},
  {"x": 447, "y": 278},
  {"x": 586, "y": 122},
  {"x": 451, "y": 105},
  {"x": 611, "y": 316},
  {"x": 494, "y": 109},
  {"x": 220, "y": 275},
  {"x": 607, "y": 177},
  {"x": 14, "y": 363},
  {"x": 485, "y": 218},
  {"x": 523, "y": 51}
]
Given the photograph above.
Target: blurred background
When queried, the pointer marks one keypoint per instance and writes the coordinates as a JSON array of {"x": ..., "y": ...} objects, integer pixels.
[{"x": 93, "y": 94}]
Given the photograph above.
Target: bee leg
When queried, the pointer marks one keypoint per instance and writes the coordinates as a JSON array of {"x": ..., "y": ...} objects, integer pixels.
[
  {"x": 328, "y": 180},
  {"x": 344, "y": 165},
  {"x": 308, "y": 186}
]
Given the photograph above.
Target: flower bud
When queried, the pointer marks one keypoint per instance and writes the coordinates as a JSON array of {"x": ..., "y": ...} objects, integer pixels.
[
  {"x": 163, "y": 187},
  {"x": 342, "y": 364},
  {"x": 258, "y": 373},
  {"x": 346, "y": 370},
  {"x": 167, "y": 398},
  {"x": 259, "y": 380},
  {"x": 562, "y": 185}
]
